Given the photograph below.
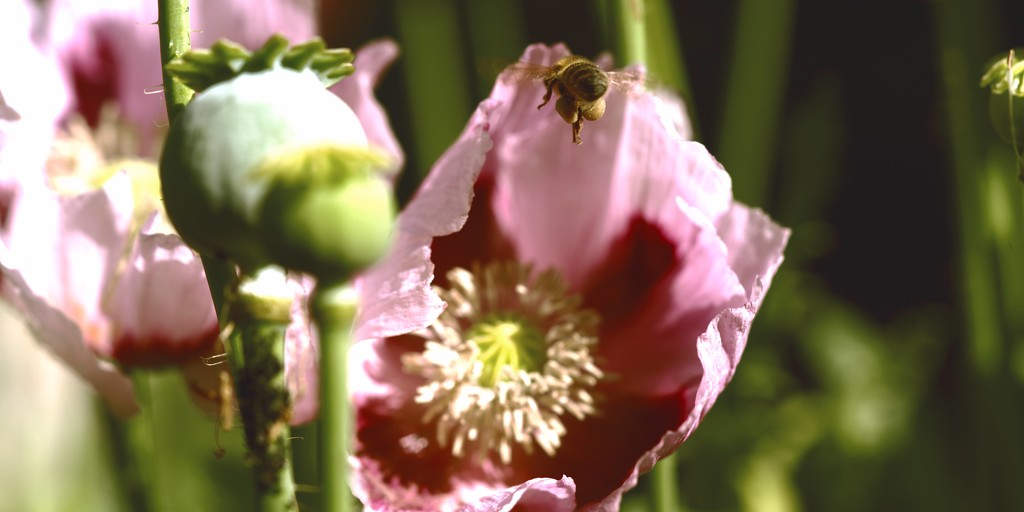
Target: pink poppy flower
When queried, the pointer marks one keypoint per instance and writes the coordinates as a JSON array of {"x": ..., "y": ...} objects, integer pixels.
[
  {"x": 598, "y": 298},
  {"x": 65, "y": 271}
]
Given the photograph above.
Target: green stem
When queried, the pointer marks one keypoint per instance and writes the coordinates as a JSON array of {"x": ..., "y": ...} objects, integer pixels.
[
  {"x": 430, "y": 33},
  {"x": 666, "y": 60},
  {"x": 666, "y": 485},
  {"x": 255, "y": 350},
  {"x": 333, "y": 308},
  {"x": 753, "y": 98},
  {"x": 979, "y": 296},
  {"x": 143, "y": 457},
  {"x": 626, "y": 20},
  {"x": 220, "y": 275},
  {"x": 175, "y": 39}
]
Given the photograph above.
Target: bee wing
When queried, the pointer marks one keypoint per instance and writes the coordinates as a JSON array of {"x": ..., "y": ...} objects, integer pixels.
[
  {"x": 627, "y": 80},
  {"x": 518, "y": 72}
]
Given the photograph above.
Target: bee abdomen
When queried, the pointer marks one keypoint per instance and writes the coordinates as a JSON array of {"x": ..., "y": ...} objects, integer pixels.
[{"x": 585, "y": 80}]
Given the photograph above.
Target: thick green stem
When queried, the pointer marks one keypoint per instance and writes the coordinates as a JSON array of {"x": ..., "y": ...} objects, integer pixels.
[
  {"x": 627, "y": 26},
  {"x": 256, "y": 356},
  {"x": 175, "y": 39},
  {"x": 333, "y": 308}
]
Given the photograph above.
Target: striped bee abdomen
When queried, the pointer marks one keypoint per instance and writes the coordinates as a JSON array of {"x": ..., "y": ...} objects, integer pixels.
[{"x": 584, "y": 80}]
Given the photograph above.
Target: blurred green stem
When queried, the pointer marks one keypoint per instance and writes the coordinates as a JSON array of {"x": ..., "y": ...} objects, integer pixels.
[
  {"x": 994, "y": 427},
  {"x": 333, "y": 308},
  {"x": 175, "y": 39},
  {"x": 666, "y": 485},
  {"x": 665, "y": 60},
  {"x": 260, "y": 314},
  {"x": 497, "y": 32},
  {"x": 143, "y": 456},
  {"x": 437, "y": 82},
  {"x": 753, "y": 99},
  {"x": 979, "y": 296},
  {"x": 626, "y": 21}
]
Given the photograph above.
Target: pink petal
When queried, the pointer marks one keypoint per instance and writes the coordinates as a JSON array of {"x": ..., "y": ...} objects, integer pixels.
[
  {"x": 754, "y": 242},
  {"x": 396, "y": 293},
  {"x": 161, "y": 307},
  {"x": 357, "y": 91},
  {"x": 672, "y": 313},
  {"x": 32, "y": 100},
  {"x": 70, "y": 247},
  {"x": 674, "y": 117},
  {"x": 61, "y": 254},
  {"x": 251, "y": 22},
  {"x": 511, "y": 107},
  {"x": 112, "y": 47},
  {"x": 301, "y": 356},
  {"x": 538, "y": 495},
  {"x": 561, "y": 204},
  {"x": 755, "y": 249},
  {"x": 60, "y": 335}
]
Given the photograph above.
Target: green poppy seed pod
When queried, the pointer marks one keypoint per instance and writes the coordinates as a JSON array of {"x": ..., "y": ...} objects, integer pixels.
[
  {"x": 328, "y": 212},
  {"x": 210, "y": 191}
]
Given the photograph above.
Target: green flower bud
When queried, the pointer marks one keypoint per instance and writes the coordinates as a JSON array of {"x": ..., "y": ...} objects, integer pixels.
[
  {"x": 327, "y": 213},
  {"x": 210, "y": 191}
]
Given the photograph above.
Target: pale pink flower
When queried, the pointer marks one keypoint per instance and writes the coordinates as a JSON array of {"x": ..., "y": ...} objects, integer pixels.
[
  {"x": 90, "y": 290},
  {"x": 92, "y": 278},
  {"x": 637, "y": 221},
  {"x": 33, "y": 98},
  {"x": 111, "y": 49}
]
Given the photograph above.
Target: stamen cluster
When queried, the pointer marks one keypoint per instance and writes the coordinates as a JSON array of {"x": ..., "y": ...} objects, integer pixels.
[{"x": 506, "y": 360}]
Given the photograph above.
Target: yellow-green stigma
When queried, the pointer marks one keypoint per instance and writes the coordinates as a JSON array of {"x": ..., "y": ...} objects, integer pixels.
[
  {"x": 506, "y": 341},
  {"x": 506, "y": 360}
]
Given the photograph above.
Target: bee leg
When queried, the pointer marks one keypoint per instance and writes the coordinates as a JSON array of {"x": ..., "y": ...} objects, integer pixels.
[
  {"x": 550, "y": 83},
  {"x": 577, "y": 127},
  {"x": 547, "y": 95}
]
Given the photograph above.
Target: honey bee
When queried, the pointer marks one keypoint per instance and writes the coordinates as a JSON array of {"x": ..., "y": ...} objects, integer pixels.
[{"x": 580, "y": 86}]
